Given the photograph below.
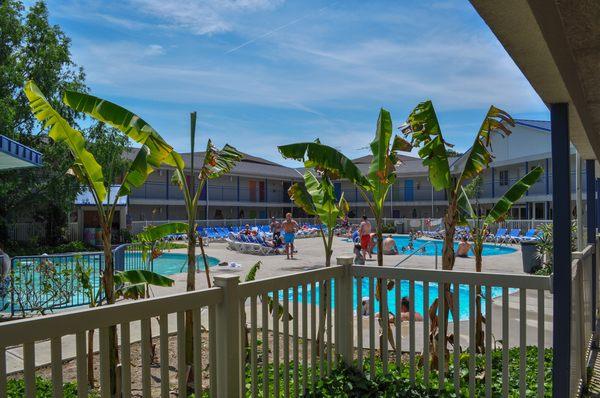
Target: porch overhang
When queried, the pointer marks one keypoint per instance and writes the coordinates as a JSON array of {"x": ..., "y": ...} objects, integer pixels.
[
  {"x": 555, "y": 44},
  {"x": 14, "y": 155}
]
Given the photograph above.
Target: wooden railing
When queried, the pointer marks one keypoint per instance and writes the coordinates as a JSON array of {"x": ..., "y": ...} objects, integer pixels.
[
  {"x": 297, "y": 327},
  {"x": 581, "y": 319}
]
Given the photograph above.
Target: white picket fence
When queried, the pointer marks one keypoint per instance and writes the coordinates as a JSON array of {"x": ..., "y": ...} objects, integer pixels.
[{"x": 292, "y": 343}]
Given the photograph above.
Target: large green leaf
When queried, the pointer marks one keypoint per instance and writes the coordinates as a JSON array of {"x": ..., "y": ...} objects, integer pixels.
[
  {"x": 132, "y": 125},
  {"x": 323, "y": 197},
  {"x": 516, "y": 192},
  {"x": 325, "y": 158},
  {"x": 425, "y": 133},
  {"x": 251, "y": 275},
  {"x": 382, "y": 170},
  {"x": 60, "y": 131},
  {"x": 154, "y": 233},
  {"x": 465, "y": 210},
  {"x": 480, "y": 156},
  {"x": 143, "y": 276},
  {"x": 300, "y": 196},
  {"x": 218, "y": 162}
]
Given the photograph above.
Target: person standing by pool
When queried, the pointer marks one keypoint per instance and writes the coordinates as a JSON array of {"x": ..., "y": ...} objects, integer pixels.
[
  {"x": 365, "y": 236},
  {"x": 290, "y": 226},
  {"x": 275, "y": 228}
]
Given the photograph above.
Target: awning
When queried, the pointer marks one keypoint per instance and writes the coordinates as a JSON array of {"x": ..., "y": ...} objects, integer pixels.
[{"x": 15, "y": 156}]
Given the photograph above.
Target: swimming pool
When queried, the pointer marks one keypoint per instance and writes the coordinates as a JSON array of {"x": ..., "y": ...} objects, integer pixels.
[
  {"x": 171, "y": 263},
  {"x": 489, "y": 249},
  {"x": 404, "y": 292}
]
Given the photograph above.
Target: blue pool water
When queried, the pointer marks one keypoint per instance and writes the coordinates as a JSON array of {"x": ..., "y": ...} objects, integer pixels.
[
  {"x": 171, "y": 263},
  {"x": 489, "y": 249},
  {"x": 404, "y": 292}
]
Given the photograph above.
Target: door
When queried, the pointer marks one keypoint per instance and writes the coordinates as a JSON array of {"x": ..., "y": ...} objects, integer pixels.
[
  {"x": 409, "y": 194},
  {"x": 252, "y": 191}
]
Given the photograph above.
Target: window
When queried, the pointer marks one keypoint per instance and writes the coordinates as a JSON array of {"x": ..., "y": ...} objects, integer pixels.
[{"x": 504, "y": 177}]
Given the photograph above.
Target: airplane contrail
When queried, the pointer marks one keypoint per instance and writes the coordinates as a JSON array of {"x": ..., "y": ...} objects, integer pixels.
[{"x": 269, "y": 33}]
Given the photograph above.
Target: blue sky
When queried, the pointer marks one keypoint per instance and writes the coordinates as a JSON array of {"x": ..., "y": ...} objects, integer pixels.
[{"x": 261, "y": 73}]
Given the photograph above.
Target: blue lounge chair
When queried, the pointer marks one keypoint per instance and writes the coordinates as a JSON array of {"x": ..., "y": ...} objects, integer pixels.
[
  {"x": 500, "y": 235},
  {"x": 529, "y": 236},
  {"x": 513, "y": 236}
]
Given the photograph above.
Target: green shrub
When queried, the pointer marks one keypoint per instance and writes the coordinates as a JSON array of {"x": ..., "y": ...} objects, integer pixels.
[
  {"x": 23, "y": 249},
  {"x": 43, "y": 389}
]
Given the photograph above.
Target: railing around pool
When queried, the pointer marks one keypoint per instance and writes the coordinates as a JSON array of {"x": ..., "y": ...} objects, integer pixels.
[
  {"x": 278, "y": 336},
  {"x": 45, "y": 283}
]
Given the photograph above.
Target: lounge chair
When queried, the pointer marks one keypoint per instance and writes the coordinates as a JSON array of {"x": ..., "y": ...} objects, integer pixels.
[
  {"x": 529, "y": 236},
  {"x": 498, "y": 237},
  {"x": 513, "y": 236}
]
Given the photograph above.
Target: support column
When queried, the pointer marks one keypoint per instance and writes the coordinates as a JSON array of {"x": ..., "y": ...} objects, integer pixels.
[
  {"x": 344, "y": 310},
  {"x": 579, "y": 202},
  {"x": 590, "y": 196},
  {"x": 228, "y": 352},
  {"x": 561, "y": 228}
]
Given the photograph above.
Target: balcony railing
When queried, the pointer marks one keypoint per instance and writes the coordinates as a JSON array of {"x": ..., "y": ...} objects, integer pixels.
[{"x": 306, "y": 321}]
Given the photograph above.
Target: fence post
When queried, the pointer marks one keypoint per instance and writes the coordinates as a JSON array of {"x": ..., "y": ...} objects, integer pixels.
[
  {"x": 344, "y": 310},
  {"x": 228, "y": 326}
]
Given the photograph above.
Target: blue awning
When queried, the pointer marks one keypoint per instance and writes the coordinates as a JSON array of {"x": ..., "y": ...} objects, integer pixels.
[{"x": 14, "y": 155}]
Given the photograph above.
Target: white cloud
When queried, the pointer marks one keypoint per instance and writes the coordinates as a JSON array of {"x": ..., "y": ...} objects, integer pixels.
[
  {"x": 154, "y": 49},
  {"x": 202, "y": 17}
]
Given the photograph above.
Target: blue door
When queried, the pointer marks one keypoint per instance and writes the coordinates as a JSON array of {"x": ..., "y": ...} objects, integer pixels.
[{"x": 408, "y": 191}]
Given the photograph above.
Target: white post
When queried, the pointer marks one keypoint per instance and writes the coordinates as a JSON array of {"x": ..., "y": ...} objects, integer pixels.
[
  {"x": 579, "y": 201},
  {"x": 344, "y": 310},
  {"x": 228, "y": 325}
]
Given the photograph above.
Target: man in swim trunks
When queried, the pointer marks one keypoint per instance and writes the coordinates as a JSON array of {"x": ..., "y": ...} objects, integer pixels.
[
  {"x": 290, "y": 227},
  {"x": 389, "y": 245},
  {"x": 365, "y": 236}
]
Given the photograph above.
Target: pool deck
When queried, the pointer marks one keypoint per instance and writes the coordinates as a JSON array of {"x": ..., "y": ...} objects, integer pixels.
[{"x": 309, "y": 257}]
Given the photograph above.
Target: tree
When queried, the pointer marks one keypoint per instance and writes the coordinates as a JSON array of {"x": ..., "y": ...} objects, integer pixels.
[
  {"x": 152, "y": 154},
  {"x": 216, "y": 163},
  {"x": 32, "y": 48},
  {"x": 480, "y": 231},
  {"x": 373, "y": 186},
  {"x": 425, "y": 133},
  {"x": 317, "y": 198}
]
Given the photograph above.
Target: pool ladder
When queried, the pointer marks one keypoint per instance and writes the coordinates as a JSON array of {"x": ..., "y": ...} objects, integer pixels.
[{"x": 431, "y": 242}]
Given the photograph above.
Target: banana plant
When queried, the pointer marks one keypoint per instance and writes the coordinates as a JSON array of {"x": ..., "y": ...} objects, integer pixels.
[
  {"x": 423, "y": 128},
  {"x": 151, "y": 238},
  {"x": 317, "y": 198},
  {"x": 480, "y": 231},
  {"x": 153, "y": 153},
  {"x": 374, "y": 185},
  {"x": 216, "y": 163}
]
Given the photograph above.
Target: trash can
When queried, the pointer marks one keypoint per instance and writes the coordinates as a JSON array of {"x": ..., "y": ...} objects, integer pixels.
[{"x": 531, "y": 256}]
